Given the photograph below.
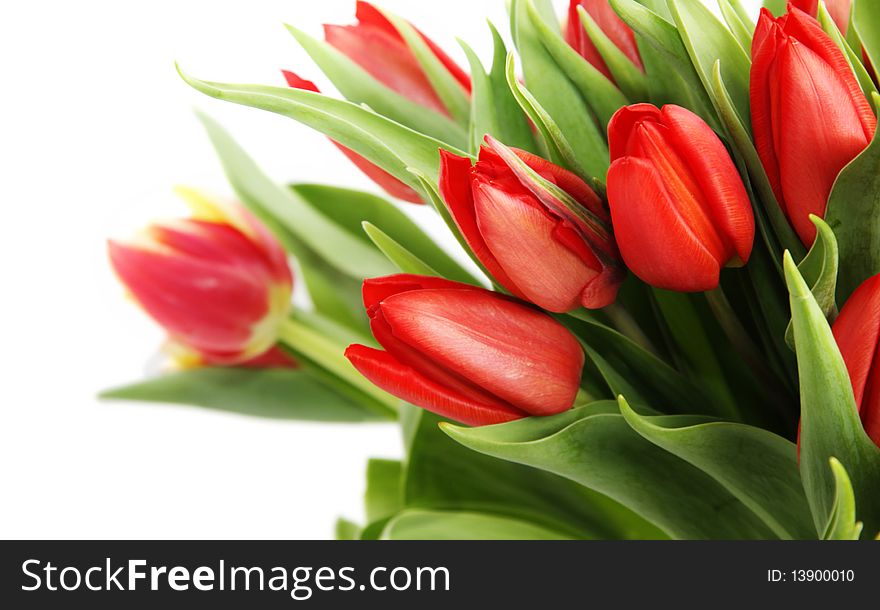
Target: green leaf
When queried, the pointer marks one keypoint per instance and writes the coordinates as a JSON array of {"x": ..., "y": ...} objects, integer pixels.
[
  {"x": 777, "y": 7},
  {"x": 707, "y": 42},
  {"x": 493, "y": 109},
  {"x": 662, "y": 37},
  {"x": 742, "y": 13},
  {"x": 384, "y": 495},
  {"x": 359, "y": 87},
  {"x": 853, "y": 58},
  {"x": 740, "y": 28},
  {"x": 344, "y": 252},
  {"x": 388, "y": 144},
  {"x": 273, "y": 393},
  {"x": 350, "y": 208},
  {"x": 830, "y": 424},
  {"x": 842, "y": 524},
  {"x": 866, "y": 23},
  {"x": 627, "y": 75},
  {"x": 347, "y": 530},
  {"x": 447, "y": 88},
  {"x": 442, "y": 474},
  {"x": 755, "y": 465},
  {"x": 746, "y": 151},
  {"x": 603, "y": 97},
  {"x": 853, "y": 209},
  {"x": 601, "y": 451},
  {"x": 819, "y": 270},
  {"x": 557, "y": 96},
  {"x": 405, "y": 260},
  {"x": 457, "y": 525}
]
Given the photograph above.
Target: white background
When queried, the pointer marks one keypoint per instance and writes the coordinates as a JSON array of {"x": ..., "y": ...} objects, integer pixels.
[{"x": 95, "y": 129}]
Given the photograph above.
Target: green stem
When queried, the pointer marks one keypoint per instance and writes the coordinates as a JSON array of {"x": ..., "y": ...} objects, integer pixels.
[
  {"x": 629, "y": 327},
  {"x": 328, "y": 354}
]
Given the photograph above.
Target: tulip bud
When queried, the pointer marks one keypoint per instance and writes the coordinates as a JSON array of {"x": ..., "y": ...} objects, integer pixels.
[
  {"x": 809, "y": 116},
  {"x": 679, "y": 208},
  {"x": 386, "y": 181},
  {"x": 376, "y": 45},
  {"x": 611, "y": 25},
  {"x": 857, "y": 332},
  {"x": 838, "y": 9},
  {"x": 217, "y": 282},
  {"x": 466, "y": 353},
  {"x": 539, "y": 230}
]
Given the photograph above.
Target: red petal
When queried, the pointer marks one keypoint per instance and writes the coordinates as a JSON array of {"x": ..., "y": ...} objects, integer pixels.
[
  {"x": 614, "y": 28},
  {"x": 621, "y": 127},
  {"x": 274, "y": 358},
  {"x": 710, "y": 164},
  {"x": 577, "y": 38},
  {"x": 764, "y": 46},
  {"x": 408, "y": 384},
  {"x": 516, "y": 353},
  {"x": 654, "y": 241},
  {"x": 378, "y": 288},
  {"x": 455, "y": 189},
  {"x": 857, "y": 332}
]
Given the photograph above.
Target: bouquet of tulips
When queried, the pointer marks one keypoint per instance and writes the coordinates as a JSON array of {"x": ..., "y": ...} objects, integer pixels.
[{"x": 671, "y": 326}]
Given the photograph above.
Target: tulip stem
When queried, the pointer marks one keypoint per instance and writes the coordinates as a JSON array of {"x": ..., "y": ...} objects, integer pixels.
[
  {"x": 628, "y": 326},
  {"x": 327, "y": 354},
  {"x": 738, "y": 336}
]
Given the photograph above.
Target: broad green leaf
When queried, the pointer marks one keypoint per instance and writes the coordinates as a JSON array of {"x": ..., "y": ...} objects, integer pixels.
[
  {"x": 327, "y": 353},
  {"x": 819, "y": 270},
  {"x": 866, "y": 23},
  {"x": 343, "y": 251},
  {"x": 349, "y": 208},
  {"x": 628, "y": 366},
  {"x": 627, "y": 75},
  {"x": 558, "y": 147},
  {"x": 744, "y": 17},
  {"x": 741, "y": 29},
  {"x": 556, "y": 94},
  {"x": 664, "y": 39},
  {"x": 274, "y": 393},
  {"x": 854, "y": 59},
  {"x": 603, "y": 97},
  {"x": 447, "y": 88},
  {"x": 359, "y": 87},
  {"x": 493, "y": 109},
  {"x": 347, "y": 530},
  {"x": 707, "y": 42},
  {"x": 601, "y": 452},
  {"x": 458, "y": 525},
  {"x": 384, "y": 495},
  {"x": 745, "y": 149},
  {"x": 402, "y": 258},
  {"x": 853, "y": 209},
  {"x": 388, "y": 144},
  {"x": 830, "y": 424},
  {"x": 755, "y": 465},
  {"x": 842, "y": 524},
  {"x": 777, "y": 7},
  {"x": 442, "y": 474}
]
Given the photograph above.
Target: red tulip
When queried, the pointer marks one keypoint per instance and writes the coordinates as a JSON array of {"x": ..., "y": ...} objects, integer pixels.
[
  {"x": 466, "y": 353},
  {"x": 838, "y": 9},
  {"x": 218, "y": 283},
  {"x": 679, "y": 208},
  {"x": 809, "y": 116},
  {"x": 386, "y": 181},
  {"x": 554, "y": 249},
  {"x": 376, "y": 45},
  {"x": 857, "y": 331},
  {"x": 611, "y": 25}
]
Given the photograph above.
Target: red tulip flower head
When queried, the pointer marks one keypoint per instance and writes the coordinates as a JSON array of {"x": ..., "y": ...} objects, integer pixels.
[
  {"x": 376, "y": 45},
  {"x": 466, "y": 353},
  {"x": 809, "y": 116},
  {"x": 857, "y": 332},
  {"x": 386, "y": 181},
  {"x": 218, "y": 283},
  {"x": 679, "y": 208},
  {"x": 539, "y": 230},
  {"x": 611, "y": 25}
]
